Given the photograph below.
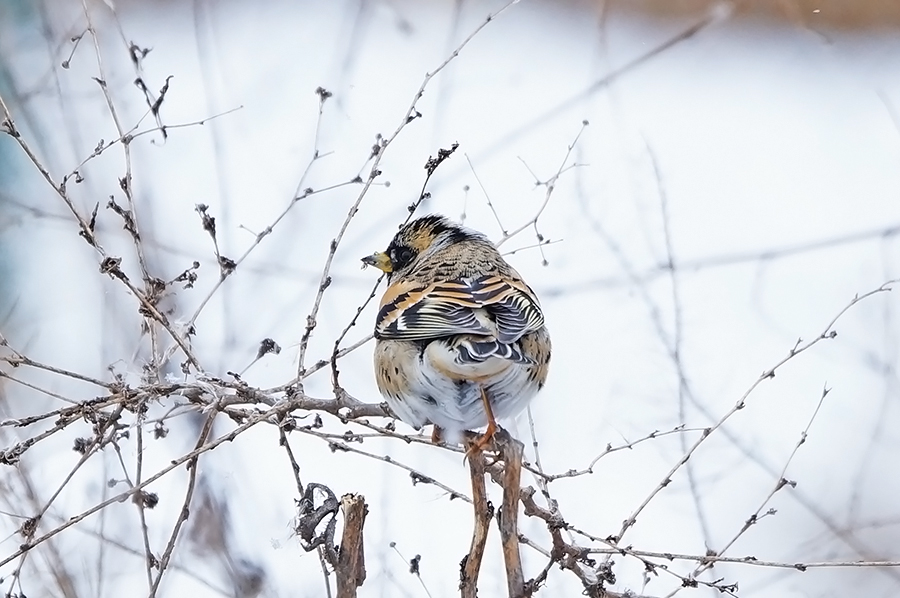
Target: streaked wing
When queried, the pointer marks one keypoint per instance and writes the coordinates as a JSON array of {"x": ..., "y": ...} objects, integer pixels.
[
  {"x": 511, "y": 304},
  {"x": 416, "y": 311}
]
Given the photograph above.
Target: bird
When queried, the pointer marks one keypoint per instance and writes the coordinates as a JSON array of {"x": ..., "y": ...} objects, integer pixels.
[{"x": 460, "y": 337}]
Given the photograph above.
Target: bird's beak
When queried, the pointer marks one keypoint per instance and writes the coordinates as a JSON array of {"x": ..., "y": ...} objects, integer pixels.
[{"x": 379, "y": 260}]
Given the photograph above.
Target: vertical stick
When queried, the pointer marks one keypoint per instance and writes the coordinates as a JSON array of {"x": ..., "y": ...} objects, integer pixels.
[
  {"x": 351, "y": 567},
  {"x": 471, "y": 563},
  {"x": 511, "y": 451}
]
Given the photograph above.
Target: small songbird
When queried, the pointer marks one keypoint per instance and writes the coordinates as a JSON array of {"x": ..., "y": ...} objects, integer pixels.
[{"x": 460, "y": 337}]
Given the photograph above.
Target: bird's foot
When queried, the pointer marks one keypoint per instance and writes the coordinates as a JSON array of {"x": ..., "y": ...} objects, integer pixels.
[{"x": 478, "y": 443}]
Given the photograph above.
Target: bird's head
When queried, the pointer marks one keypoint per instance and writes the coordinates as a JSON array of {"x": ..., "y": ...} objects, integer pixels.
[{"x": 415, "y": 240}]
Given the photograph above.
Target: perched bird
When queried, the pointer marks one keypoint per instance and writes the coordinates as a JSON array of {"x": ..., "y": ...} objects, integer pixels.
[{"x": 460, "y": 337}]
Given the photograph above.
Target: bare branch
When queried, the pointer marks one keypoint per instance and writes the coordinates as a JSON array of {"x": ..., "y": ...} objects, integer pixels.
[
  {"x": 470, "y": 566},
  {"x": 828, "y": 333},
  {"x": 351, "y": 568},
  {"x": 511, "y": 453}
]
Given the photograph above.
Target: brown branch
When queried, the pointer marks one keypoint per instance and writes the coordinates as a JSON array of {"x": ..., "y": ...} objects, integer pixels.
[
  {"x": 484, "y": 512},
  {"x": 511, "y": 451},
  {"x": 570, "y": 557},
  {"x": 351, "y": 567}
]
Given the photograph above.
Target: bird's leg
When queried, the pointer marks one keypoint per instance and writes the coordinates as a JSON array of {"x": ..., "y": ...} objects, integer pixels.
[
  {"x": 437, "y": 435},
  {"x": 479, "y": 443}
]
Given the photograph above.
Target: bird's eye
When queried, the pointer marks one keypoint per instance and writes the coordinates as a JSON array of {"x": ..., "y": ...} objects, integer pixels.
[{"x": 402, "y": 257}]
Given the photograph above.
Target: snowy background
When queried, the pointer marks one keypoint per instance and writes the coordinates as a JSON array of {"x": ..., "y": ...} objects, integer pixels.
[{"x": 737, "y": 185}]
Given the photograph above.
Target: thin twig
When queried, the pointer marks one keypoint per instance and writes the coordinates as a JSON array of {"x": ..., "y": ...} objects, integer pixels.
[
  {"x": 757, "y": 515},
  {"x": 20, "y": 359},
  {"x": 411, "y": 114},
  {"x": 713, "y": 16},
  {"x": 828, "y": 333},
  {"x": 550, "y": 185},
  {"x": 417, "y": 476},
  {"x": 487, "y": 197},
  {"x": 746, "y": 560},
  {"x": 186, "y": 505},
  {"x": 719, "y": 261},
  {"x": 126, "y": 184},
  {"x": 149, "y": 559},
  {"x": 574, "y": 473}
]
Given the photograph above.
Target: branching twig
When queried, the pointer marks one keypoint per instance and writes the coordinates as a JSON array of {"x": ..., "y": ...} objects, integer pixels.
[
  {"x": 828, "y": 333},
  {"x": 746, "y": 560},
  {"x": 550, "y": 185},
  {"x": 574, "y": 473},
  {"x": 411, "y": 114},
  {"x": 757, "y": 515}
]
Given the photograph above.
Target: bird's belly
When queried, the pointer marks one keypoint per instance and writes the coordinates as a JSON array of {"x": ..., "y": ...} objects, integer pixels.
[{"x": 434, "y": 390}]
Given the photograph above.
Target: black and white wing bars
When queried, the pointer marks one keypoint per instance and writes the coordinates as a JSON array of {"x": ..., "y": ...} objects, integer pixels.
[{"x": 416, "y": 311}]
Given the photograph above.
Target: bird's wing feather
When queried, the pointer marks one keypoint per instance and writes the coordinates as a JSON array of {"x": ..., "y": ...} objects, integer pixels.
[
  {"x": 419, "y": 311},
  {"x": 511, "y": 304}
]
